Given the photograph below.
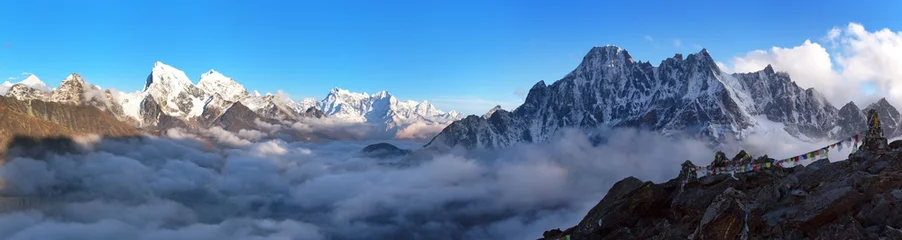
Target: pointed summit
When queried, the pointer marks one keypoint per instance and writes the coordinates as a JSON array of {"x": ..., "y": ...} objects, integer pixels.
[
  {"x": 381, "y": 94},
  {"x": 492, "y": 111},
  {"x": 769, "y": 69},
  {"x": 74, "y": 77},
  {"x": 73, "y": 89},
  {"x": 32, "y": 81},
  {"x": 166, "y": 75},
  {"x": 174, "y": 91},
  {"x": 214, "y": 82}
]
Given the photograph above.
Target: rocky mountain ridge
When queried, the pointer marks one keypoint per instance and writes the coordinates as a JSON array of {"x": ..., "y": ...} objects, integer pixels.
[
  {"x": 170, "y": 99},
  {"x": 685, "y": 96}
]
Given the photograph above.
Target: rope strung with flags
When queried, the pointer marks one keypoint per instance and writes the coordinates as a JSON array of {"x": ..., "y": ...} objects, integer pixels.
[{"x": 749, "y": 166}]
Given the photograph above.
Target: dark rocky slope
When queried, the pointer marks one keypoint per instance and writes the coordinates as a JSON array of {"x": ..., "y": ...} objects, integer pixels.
[{"x": 858, "y": 198}]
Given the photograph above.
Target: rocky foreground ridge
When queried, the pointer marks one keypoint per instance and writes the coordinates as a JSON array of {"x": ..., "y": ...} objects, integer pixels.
[{"x": 858, "y": 198}]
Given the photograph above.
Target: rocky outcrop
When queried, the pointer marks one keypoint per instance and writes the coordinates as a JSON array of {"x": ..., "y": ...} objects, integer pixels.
[
  {"x": 858, "y": 198},
  {"x": 383, "y": 150},
  {"x": 237, "y": 117},
  {"x": 24, "y": 93},
  {"x": 313, "y": 112}
]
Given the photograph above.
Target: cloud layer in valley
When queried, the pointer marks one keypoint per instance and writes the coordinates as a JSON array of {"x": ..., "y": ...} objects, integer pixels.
[
  {"x": 216, "y": 184},
  {"x": 181, "y": 187}
]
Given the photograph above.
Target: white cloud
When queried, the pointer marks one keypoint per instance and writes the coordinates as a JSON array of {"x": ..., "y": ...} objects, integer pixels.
[
  {"x": 809, "y": 65},
  {"x": 26, "y": 74},
  {"x": 649, "y": 38},
  {"x": 677, "y": 43},
  {"x": 857, "y": 57},
  {"x": 419, "y": 131},
  {"x": 833, "y": 33}
]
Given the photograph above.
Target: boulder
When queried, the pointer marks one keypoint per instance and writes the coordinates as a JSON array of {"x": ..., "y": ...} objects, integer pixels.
[
  {"x": 725, "y": 218},
  {"x": 895, "y": 145}
]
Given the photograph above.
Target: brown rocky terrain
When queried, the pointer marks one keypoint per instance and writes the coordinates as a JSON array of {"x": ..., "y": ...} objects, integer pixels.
[
  {"x": 39, "y": 119},
  {"x": 858, "y": 198}
]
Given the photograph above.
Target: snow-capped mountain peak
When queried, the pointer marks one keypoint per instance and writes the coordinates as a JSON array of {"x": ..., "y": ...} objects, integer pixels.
[
  {"x": 492, "y": 111},
  {"x": 174, "y": 91},
  {"x": 169, "y": 76},
  {"x": 380, "y": 107},
  {"x": 33, "y": 81},
  {"x": 688, "y": 95},
  {"x": 214, "y": 82}
]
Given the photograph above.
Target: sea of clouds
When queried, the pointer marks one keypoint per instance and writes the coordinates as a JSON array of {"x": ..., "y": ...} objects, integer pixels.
[{"x": 216, "y": 184}]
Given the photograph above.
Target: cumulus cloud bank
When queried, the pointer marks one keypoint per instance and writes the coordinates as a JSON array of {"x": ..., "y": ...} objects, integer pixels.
[
  {"x": 838, "y": 65},
  {"x": 179, "y": 187}
]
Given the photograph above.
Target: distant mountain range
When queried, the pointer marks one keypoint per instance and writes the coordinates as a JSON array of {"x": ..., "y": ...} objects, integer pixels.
[
  {"x": 170, "y": 99},
  {"x": 608, "y": 89},
  {"x": 688, "y": 95}
]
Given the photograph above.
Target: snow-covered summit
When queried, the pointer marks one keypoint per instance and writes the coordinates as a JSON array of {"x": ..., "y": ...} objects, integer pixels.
[
  {"x": 488, "y": 114},
  {"x": 33, "y": 81},
  {"x": 74, "y": 89},
  {"x": 4, "y": 87},
  {"x": 688, "y": 95},
  {"x": 381, "y": 107},
  {"x": 212, "y": 82},
  {"x": 174, "y": 91}
]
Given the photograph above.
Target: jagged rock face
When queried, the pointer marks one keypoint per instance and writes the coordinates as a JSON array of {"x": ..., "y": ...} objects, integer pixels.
[
  {"x": 313, "y": 112},
  {"x": 213, "y": 108},
  {"x": 851, "y": 120},
  {"x": 476, "y": 132},
  {"x": 237, "y": 117},
  {"x": 610, "y": 89},
  {"x": 174, "y": 92},
  {"x": 24, "y": 93},
  {"x": 73, "y": 90},
  {"x": 155, "y": 119},
  {"x": 689, "y": 96},
  {"x": 488, "y": 114},
  {"x": 780, "y": 100},
  {"x": 857, "y": 198},
  {"x": 276, "y": 108}
]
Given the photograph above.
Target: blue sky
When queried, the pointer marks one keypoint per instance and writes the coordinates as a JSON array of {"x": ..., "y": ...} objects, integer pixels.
[{"x": 461, "y": 55}]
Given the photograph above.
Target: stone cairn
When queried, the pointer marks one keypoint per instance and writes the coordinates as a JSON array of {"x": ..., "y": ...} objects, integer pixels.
[{"x": 874, "y": 141}]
